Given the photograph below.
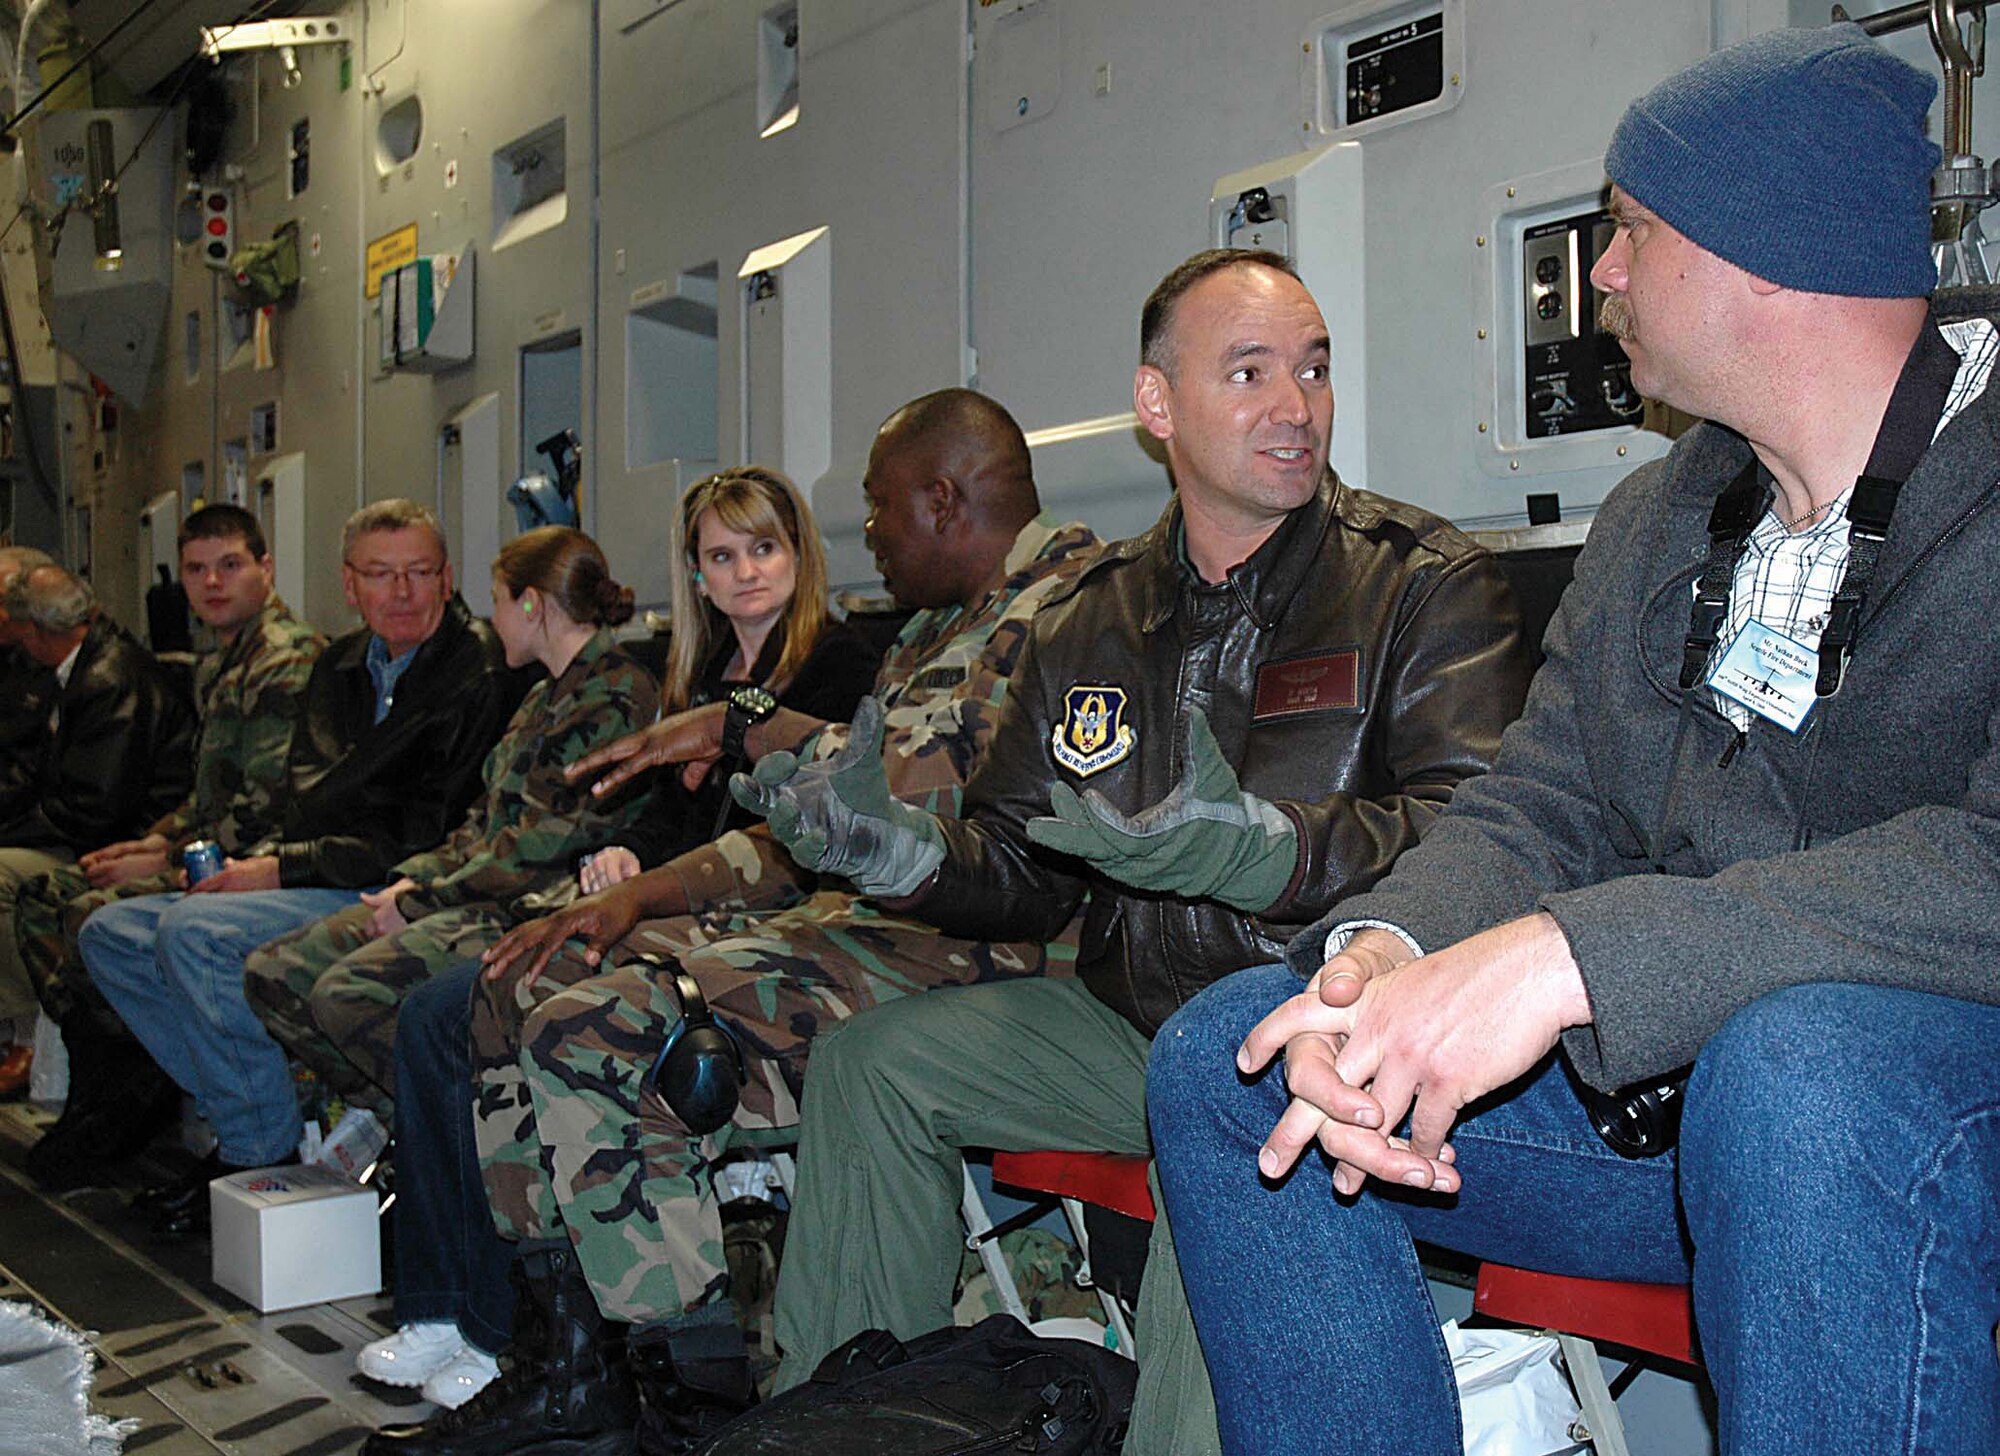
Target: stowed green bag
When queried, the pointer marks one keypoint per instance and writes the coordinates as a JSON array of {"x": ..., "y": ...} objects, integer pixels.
[{"x": 267, "y": 273}]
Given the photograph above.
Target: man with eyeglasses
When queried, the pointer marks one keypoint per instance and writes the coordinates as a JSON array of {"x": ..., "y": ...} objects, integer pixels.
[{"x": 385, "y": 760}]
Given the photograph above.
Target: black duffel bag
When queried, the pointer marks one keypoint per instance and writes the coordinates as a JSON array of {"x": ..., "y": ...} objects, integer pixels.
[{"x": 992, "y": 1388}]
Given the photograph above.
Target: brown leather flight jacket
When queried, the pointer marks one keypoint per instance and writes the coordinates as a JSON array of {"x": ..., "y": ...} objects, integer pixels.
[{"x": 1359, "y": 665}]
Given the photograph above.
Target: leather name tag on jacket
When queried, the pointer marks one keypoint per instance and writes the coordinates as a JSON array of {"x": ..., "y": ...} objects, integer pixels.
[{"x": 1327, "y": 682}]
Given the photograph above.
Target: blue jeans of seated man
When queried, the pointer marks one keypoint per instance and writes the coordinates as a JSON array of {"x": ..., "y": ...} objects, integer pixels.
[
  {"x": 172, "y": 966},
  {"x": 450, "y": 1262},
  {"x": 1838, "y": 1178}
]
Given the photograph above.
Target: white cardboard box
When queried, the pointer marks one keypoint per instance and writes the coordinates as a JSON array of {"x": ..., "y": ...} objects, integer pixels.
[{"x": 290, "y": 1236}]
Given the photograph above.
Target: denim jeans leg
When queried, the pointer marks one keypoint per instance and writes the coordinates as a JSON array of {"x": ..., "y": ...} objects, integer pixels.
[
  {"x": 245, "y": 1082},
  {"x": 450, "y": 1262},
  {"x": 116, "y": 943},
  {"x": 1314, "y": 1317},
  {"x": 1841, "y": 1175}
]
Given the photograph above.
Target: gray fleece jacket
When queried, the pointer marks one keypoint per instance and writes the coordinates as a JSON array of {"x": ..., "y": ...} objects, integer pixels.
[{"x": 1865, "y": 849}]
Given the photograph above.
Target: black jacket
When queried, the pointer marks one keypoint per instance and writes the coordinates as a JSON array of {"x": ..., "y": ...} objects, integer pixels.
[
  {"x": 835, "y": 676},
  {"x": 365, "y": 795},
  {"x": 27, "y": 692},
  {"x": 123, "y": 751},
  {"x": 1359, "y": 665}
]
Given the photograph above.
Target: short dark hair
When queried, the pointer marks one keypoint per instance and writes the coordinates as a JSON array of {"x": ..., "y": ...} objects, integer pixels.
[
  {"x": 1156, "y": 319},
  {"x": 212, "y": 523}
]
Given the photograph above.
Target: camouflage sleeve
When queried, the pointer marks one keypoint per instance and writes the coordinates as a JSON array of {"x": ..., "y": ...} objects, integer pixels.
[
  {"x": 744, "y": 870},
  {"x": 936, "y": 731},
  {"x": 536, "y": 821},
  {"x": 253, "y": 776},
  {"x": 175, "y": 825}
]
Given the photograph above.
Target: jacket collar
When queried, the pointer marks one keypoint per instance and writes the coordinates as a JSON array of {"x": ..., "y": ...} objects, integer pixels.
[
  {"x": 251, "y": 635},
  {"x": 1954, "y": 477},
  {"x": 583, "y": 664},
  {"x": 1264, "y": 585},
  {"x": 350, "y": 653}
]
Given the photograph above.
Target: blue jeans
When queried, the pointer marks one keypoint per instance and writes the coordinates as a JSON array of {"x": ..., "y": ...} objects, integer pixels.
[
  {"x": 1838, "y": 1181},
  {"x": 450, "y": 1262},
  {"x": 172, "y": 965}
]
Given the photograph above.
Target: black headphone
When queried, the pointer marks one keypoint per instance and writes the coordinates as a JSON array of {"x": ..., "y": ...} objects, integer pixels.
[
  {"x": 1640, "y": 1121},
  {"x": 699, "y": 1069}
]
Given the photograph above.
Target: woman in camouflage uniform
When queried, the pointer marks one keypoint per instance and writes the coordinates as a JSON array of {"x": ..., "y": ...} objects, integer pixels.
[
  {"x": 329, "y": 993},
  {"x": 749, "y": 607}
]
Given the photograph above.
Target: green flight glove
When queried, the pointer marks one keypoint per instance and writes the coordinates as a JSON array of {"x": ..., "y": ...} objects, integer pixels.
[
  {"x": 1208, "y": 839},
  {"x": 837, "y": 815}
]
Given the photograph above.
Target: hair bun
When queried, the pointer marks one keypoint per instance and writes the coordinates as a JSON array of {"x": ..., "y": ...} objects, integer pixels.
[{"x": 615, "y": 603}]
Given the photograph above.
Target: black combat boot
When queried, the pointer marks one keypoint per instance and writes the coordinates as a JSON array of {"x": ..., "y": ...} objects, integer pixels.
[
  {"x": 567, "y": 1391},
  {"x": 693, "y": 1381},
  {"x": 119, "y": 1101}
]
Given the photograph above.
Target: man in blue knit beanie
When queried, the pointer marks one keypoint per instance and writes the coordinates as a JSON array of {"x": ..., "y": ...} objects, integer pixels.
[{"x": 1699, "y": 984}]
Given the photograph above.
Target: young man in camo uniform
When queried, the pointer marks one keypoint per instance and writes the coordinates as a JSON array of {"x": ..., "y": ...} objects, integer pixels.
[{"x": 247, "y": 692}]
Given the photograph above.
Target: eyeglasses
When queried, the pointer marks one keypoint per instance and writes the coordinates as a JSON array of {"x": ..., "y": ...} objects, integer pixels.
[{"x": 408, "y": 575}]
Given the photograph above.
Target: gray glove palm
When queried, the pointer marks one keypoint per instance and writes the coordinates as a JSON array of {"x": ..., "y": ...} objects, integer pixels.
[
  {"x": 837, "y": 815},
  {"x": 1208, "y": 839}
]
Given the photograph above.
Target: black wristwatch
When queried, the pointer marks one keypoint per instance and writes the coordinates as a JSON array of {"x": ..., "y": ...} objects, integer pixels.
[{"x": 748, "y": 706}]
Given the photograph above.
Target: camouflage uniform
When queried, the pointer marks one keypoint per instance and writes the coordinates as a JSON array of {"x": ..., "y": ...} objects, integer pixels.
[
  {"x": 567, "y": 1141},
  {"x": 249, "y": 697},
  {"x": 329, "y": 992}
]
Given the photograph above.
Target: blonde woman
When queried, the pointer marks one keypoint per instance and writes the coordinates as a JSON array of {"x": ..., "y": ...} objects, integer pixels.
[{"x": 749, "y": 611}]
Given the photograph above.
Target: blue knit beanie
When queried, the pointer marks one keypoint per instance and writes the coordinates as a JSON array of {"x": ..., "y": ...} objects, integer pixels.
[{"x": 1799, "y": 156}]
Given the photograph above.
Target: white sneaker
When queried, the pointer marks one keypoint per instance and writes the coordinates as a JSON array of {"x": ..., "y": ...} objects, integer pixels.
[
  {"x": 413, "y": 1354},
  {"x": 462, "y": 1379}
]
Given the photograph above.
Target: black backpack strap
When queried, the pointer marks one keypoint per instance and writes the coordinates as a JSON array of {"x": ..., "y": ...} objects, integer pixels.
[
  {"x": 865, "y": 1354},
  {"x": 1737, "y": 510}
]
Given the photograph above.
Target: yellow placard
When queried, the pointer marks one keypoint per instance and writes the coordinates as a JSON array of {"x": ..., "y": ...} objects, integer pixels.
[{"x": 387, "y": 253}]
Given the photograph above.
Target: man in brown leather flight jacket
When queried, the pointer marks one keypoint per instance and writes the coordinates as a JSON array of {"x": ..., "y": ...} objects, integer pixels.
[{"x": 1226, "y": 726}]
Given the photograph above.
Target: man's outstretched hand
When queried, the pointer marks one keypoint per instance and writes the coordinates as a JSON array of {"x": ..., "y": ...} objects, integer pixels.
[
  {"x": 837, "y": 816},
  {"x": 1207, "y": 839},
  {"x": 694, "y": 736}
]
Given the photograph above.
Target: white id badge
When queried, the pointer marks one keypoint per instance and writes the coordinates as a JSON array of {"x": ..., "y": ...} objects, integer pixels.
[{"x": 1769, "y": 673}]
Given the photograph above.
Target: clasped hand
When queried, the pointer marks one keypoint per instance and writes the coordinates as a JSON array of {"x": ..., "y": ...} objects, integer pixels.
[{"x": 1379, "y": 1035}]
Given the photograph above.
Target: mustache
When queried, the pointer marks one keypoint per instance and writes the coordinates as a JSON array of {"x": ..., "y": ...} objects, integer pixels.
[{"x": 1614, "y": 316}]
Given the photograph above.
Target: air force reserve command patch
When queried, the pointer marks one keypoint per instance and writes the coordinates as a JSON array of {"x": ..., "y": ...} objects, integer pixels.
[{"x": 1093, "y": 733}]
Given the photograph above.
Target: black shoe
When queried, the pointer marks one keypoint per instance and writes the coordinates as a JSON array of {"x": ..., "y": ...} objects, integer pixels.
[
  {"x": 567, "y": 1392},
  {"x": 180, "y": 1208},
  {"x": 95, "y": 1132},
  {"x": 178, "y": 1191},
  {"x": 692, "y": 1383}
]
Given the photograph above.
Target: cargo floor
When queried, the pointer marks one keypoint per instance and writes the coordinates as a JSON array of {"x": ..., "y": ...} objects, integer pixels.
[{"x": 200, "y": 1370}]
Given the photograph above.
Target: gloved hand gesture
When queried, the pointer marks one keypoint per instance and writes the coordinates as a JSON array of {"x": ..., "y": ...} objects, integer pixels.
[
  {"x": 838, "y": 816},
  {"x": 1208, "y": 839}
]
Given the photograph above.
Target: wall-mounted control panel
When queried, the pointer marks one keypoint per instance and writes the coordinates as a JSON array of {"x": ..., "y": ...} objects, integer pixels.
[
  {"x": 1379, "y": 62},
  {"x": 1577, "y": 376},
  {"x": 1393, "y": 69}
]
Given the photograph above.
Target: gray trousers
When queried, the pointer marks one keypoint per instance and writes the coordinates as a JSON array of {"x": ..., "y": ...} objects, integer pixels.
[{"x": 895, "y": 1094}]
